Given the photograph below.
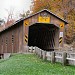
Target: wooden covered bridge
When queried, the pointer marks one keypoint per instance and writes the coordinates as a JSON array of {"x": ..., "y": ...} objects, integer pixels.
[{"x": 42, "y": 29}]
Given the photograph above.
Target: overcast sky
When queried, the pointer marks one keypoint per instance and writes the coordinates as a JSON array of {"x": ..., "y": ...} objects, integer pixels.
[{"x": 17, "y": 6}]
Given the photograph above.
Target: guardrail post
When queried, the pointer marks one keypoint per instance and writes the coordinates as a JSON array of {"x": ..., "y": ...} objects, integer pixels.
[
  {"x": 36, "y": 48},
  {"x": 40, "y": 53},
  {"x": 64, "y": 56},
  {"x": 37, "y": 51},
  {"x": 31, "y": 49},
  {"x": 44, "y": 55},
  {"x": 52, "y": 57}
]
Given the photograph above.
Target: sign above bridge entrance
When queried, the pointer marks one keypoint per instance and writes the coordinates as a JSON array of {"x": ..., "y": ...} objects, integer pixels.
[{"x": 44, "y": 19}]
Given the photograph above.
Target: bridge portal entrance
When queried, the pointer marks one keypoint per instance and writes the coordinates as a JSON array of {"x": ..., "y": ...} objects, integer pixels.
[{"x": 44, "y": 36}]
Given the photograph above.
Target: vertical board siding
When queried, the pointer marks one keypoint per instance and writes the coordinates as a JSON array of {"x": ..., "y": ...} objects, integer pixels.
[
  {"x": 17, "y": 40},
  {"x": 15, "y": 44},
  {"x": 9, "y": 45},
  {"x": 4, "y": 43},
  {"x": 20, "y": 37},
  {"x": 0, "y": 44}
]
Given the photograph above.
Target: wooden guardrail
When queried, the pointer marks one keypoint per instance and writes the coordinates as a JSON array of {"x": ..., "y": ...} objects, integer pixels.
[{"x": 53, "y": 56}]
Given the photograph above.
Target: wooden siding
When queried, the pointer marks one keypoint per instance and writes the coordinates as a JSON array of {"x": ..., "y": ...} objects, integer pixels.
[
  {"x": 20, "y": 37},
  {"x": 1, "y": 44},
  {"x": 11, "y": 40}
]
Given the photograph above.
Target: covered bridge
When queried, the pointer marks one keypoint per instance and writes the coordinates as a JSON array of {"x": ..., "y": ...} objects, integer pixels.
[{"x": 42, "y": 29}]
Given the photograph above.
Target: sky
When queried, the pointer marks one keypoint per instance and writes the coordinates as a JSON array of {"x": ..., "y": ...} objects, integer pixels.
[{"x": 16, "y": 6}]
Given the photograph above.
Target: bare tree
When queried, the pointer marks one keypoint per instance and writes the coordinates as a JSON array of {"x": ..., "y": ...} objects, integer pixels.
[
  {"x": 10, "y": 14},
  {"x": 24, "y": 14}
]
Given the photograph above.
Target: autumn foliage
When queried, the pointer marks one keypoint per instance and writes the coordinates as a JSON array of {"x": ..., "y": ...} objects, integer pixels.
[{"x": 64, "y": 9}]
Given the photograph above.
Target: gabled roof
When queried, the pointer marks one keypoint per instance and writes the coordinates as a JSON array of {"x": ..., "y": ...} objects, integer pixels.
[
  {"x": 48, "y": 12},
  {"x": 22, "y": 19}
]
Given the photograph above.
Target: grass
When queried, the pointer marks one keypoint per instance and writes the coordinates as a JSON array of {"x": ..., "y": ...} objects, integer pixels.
[{"x": 24, "y": 64}]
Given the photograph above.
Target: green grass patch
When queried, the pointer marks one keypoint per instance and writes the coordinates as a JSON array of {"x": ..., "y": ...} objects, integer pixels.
[{"x": 30, "y": 64}]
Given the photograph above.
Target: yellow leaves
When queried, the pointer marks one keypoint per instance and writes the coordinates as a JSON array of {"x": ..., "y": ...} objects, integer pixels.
[
  {"x": 60, "y": 14},
  {"x": 40, "y": 4}
]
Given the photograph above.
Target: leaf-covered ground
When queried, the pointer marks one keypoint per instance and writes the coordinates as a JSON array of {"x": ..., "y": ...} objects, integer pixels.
[{"x": 30, "y": 64}]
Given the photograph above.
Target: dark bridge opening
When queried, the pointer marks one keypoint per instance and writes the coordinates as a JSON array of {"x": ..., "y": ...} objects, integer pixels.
[{"x": 42, "y": 35}]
